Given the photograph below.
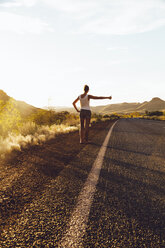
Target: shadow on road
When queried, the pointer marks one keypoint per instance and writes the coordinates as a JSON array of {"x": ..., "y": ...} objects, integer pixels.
[
  {"x": 44, "y": 163},
  {"x": 136, "y": 191}
]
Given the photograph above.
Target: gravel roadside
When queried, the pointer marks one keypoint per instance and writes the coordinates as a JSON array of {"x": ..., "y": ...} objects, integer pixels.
[{"x": 37, "y": 201}]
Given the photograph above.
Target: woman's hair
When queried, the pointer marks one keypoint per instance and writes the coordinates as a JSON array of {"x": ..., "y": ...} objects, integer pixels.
[{"x": 86, "y": 88}]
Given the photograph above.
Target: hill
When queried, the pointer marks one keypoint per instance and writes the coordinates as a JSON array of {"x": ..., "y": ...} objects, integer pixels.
[
  {"x": 23, "y": 108},
  {"x": 117, "y": 108},
  {"x": 156, "y": 104}
]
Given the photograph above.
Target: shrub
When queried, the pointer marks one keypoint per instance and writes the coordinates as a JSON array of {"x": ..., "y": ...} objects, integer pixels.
[
  {"x": 10, "y": 118},
  {"x": 157, "y": 113},
  {"x": 32, "y": 134}
]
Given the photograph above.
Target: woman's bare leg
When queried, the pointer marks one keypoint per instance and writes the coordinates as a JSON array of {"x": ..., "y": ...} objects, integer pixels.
[
  {"x": 82, "y": 130},
  {"x": 87, "y": 122}
]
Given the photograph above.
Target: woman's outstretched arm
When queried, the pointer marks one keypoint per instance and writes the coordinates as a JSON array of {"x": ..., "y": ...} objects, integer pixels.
[
  {"x": 74, "y": 104},
  {"x": 99, "y": 97}
]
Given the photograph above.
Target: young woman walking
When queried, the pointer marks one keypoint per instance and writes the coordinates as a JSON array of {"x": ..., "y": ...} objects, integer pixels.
[{"x": 85, "y": 112}]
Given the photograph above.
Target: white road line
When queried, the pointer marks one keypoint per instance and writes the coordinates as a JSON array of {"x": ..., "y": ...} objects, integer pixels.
[{"x": 77, "y": 226}]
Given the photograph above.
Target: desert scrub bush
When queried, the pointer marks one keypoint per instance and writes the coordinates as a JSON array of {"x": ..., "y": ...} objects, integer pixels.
[
  {"x": 97, "y": 117},
  {"x": 10, "y": 118},
  {"x": 155, "y": 113},
  {"x": 72, "y": 119},
  {"x": 50, "y": 117},
  {"x": 114, "y": 116},
  {"x": 31, "y": 134},
  {"x": 28, "y": 128},
  {"x": 43, "y": 117}
]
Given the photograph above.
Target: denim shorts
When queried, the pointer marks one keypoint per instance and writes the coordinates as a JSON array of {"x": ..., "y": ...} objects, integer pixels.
[{"x": 84, "y": 113}]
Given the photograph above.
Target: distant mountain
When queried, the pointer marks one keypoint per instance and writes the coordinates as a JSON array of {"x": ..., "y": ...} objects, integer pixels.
[
  {"x": 24, "y": 108},
  {"x": 122, "y": 108},
  {"x": 117, "y": 108},
  {"x": 156, "y": 104},
  {"x": 63, "y": 108}
]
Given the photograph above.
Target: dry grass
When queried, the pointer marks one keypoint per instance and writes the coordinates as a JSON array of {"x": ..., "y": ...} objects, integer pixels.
[
  {"x": 30, "y": 133},
  {"x": 159, "y": 118}
]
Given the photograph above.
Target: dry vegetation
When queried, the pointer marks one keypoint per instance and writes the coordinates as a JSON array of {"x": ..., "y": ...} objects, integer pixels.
[
  {"x": 18, "y": 131},
  {"x": 153, "y": 115}
]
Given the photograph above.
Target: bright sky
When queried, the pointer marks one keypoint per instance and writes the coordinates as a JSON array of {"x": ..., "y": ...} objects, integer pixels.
[{"x": 50, "y": 48}]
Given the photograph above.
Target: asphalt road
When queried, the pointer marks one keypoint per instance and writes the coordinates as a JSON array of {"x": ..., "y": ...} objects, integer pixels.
[{"x": 128, "y": 207}]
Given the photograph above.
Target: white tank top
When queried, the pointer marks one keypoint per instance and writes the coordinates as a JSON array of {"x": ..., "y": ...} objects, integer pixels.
[{"x": 84, "y": 102}]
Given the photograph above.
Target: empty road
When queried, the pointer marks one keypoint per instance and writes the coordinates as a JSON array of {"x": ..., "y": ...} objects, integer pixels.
[{"x": 104, "y": 194}]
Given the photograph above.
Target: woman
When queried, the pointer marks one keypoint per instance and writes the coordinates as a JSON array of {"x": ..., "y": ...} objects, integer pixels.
[{"x": 85, "y": 112}]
